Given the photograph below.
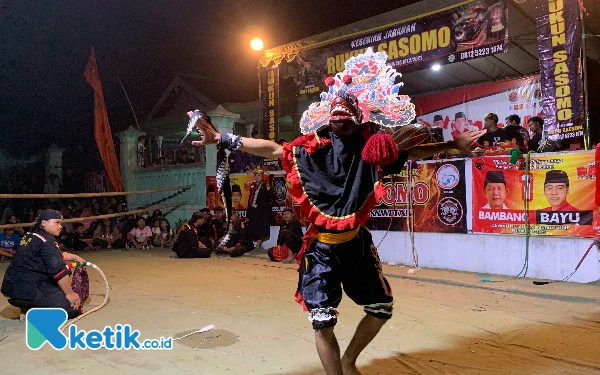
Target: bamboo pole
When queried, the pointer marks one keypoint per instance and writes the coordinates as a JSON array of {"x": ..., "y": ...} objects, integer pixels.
[
  {"x": 99, "y": 217},
  {"x": 91, "y": 195}
]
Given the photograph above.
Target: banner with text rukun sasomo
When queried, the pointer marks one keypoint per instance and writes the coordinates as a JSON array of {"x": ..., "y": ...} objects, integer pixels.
[{"x": 559, "y": 35}]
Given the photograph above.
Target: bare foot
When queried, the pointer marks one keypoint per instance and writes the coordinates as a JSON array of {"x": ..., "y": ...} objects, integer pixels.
[
  {"x": 349, "y": 368},
  {"x": 22, "y": 318}
]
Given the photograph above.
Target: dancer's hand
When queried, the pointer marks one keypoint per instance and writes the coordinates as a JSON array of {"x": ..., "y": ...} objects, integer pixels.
[
  {"x": 464, "y": 141},
  {"x": 74, "y": 300},
  {"x": 209, "y": 135}
]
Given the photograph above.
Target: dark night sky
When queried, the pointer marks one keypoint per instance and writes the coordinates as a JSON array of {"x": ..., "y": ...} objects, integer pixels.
[{"x": 46, "y": 44}]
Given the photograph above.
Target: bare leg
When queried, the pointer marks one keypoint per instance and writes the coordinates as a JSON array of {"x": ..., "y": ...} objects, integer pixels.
[
  {"x": 366, "y": 331},
  {"x": 329, "y": 351},
  {"x": 258, "y": 244},
  {"x": 22, "y": 315}
]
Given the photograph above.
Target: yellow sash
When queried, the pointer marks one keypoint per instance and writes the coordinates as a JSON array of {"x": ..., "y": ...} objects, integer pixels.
[{"x": 336, "y": 238}]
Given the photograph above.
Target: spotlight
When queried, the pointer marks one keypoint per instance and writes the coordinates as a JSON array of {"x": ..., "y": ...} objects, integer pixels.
[
  {"x": 256, "y": 44},
  {"x": 436, "y": 67}
]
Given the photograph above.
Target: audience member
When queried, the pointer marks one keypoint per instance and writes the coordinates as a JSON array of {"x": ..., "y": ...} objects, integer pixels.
[
  {"x": 141, "y": 236},
  {"x": 108, "y": 236},
  {"x": 289, "y": 240},
  {"x": 240, "y": 241},
  {"x": 188, "y": 244},
  {"x": 165, "y": 236},
  {"x": 9, "y": 241}
]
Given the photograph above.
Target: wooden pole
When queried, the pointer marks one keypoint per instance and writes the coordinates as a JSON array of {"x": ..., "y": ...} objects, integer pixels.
[
  {"x": 90, "y": 195},
  {"x": 99, "y": 217}
]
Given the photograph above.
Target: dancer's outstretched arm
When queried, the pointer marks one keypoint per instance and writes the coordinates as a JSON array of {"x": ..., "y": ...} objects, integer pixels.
[
  {"x": 260, "y": 147},
  {"x": 463, "y": 142}
]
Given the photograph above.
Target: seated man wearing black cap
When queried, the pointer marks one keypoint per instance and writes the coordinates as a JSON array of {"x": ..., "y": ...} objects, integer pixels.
[
  {"x": 207, "y": 233},
  {"x": 289, "y": 240},
  {"x": 219, "y": 223},
  {"x": 37, "y": 275},
  {"x": 240, "y": 241},
  {"x": 188, "y": 244},
  {"x": 495, "y": 190},
  {"x": 236, "y": 197},
  {"x": 556, "y": 189}
]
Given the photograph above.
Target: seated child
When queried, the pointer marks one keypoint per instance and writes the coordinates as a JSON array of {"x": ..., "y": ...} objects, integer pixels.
[
  {"x": 140, "y": 237},
  {"x": 164, "y": 236},
  {"x": 9, "y": 241}
]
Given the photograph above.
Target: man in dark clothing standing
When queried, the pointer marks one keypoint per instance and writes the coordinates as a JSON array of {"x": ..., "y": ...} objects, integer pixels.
[
  {"x": 259, "y": 209},
  {"x": 494, "y": 134},
  {"x": 515, "y": 131},
  {"x": 187, "y": 244},
  {"x": 536, "y": 126},
  {"x": 289, "y": 240}
]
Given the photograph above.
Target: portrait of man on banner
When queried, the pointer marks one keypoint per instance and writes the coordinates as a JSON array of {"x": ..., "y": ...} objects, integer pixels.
[
  {"x": 556, "y": 190},
  {"x": 495, "y": 190}
]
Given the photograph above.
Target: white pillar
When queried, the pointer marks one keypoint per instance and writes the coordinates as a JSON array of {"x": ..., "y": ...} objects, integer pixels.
[
  {"x": 53, "y": 160},
  {"x": 128, "y": 152},
  {"x": 224, "y": 121},
  {"x": 249, "y": 129},
  {"x": 159, "y": 141}
]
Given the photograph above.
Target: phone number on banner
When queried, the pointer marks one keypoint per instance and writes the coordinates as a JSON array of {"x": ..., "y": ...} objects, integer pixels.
[{"x": 480, "y": 52}]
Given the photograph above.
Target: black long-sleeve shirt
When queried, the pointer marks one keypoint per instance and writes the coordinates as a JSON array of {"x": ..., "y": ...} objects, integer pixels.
[
  {"x": 187, "y": 242},
  {"x": 37, "y": 264},
  {"x": 290, "y": 234}
]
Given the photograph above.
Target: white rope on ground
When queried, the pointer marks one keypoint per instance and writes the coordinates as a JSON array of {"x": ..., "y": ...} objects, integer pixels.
[
  {"x": 91, "y": 195},
  {"x": 99, "y": 217},
  {"x": 201, "y": 330}
]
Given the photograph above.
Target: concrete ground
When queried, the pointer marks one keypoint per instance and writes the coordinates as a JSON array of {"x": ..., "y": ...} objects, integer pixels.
[{"x": 444, "y": 322}]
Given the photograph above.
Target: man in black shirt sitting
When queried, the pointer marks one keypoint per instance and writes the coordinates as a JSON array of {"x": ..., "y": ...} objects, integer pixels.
[
  {"x": 219, "y": 223},
  {"x": 289, "y": 240},
  {"x": 536, "y": 126},
  {"x": 240, "y": 241},
  {"x": 494, "y": 134},
  {"x": 187, "y": 244},
  {"x": 515, "y": 131}
]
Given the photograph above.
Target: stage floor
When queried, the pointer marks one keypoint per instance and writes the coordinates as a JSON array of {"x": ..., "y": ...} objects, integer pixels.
[{"x": 444, "y": 322}]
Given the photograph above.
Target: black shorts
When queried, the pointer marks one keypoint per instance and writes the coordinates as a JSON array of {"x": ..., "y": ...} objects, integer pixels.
[
  {"x": 56, "y": 300},
  {"x": 354, "y": 264}
]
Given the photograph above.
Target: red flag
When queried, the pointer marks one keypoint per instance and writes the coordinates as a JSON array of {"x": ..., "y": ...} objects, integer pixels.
[{"x": 102, "y": 131}]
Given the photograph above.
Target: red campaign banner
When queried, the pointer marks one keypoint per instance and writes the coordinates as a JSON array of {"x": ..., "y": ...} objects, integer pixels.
[
  {"x": 459, "y": 110},
  {"x": 559, "y": 188}
]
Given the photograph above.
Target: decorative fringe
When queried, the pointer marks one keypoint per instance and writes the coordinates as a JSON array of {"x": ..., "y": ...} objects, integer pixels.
[{"x": 380, "y": 149}]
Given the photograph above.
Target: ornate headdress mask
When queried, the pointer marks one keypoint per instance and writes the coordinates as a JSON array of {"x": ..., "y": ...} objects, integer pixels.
[{"x": 368, "y": 84}]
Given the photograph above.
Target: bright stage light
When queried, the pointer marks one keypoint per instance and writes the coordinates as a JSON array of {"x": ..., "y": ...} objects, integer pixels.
[
  {"x": 256, "y": 44},
  {"x": 436, "y": 67}
]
